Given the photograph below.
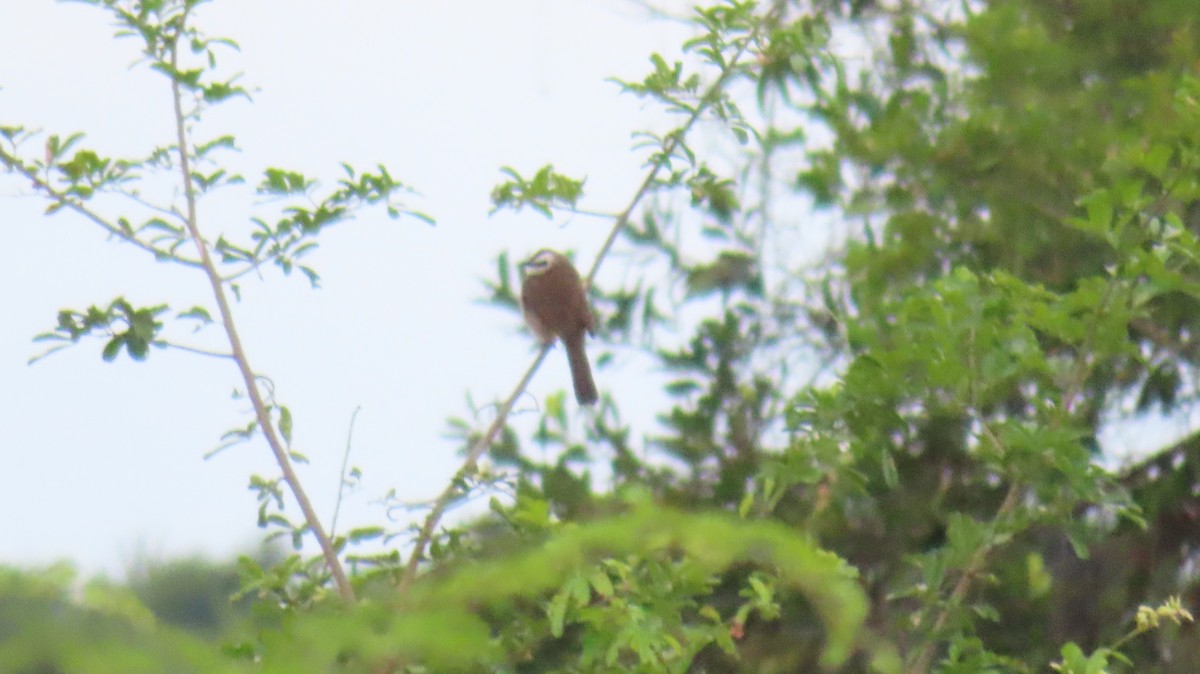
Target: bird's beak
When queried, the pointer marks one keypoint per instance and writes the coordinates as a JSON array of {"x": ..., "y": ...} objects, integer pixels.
[
  {"x": 523, "y": 270},
  {"x": 525, "y": 264}
]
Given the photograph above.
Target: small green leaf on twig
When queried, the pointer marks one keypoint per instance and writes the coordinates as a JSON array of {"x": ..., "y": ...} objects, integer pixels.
[
  {"x": 285, "y": 423},
  {"x": 545, "y": 191}
]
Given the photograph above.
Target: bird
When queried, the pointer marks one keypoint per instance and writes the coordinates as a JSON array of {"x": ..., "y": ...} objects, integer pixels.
[{"x": 555, "y": 306}]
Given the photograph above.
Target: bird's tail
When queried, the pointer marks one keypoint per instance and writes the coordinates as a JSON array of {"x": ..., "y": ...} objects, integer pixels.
[{"x": 581, "y": 371}]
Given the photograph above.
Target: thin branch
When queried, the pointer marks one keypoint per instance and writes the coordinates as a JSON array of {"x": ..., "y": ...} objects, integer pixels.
[
  {"x": 477, "y": 450},
  {"x": 252, "y": 267},
  {"x": 978, "y": 557},
  {"x": 591, "y": 214},
  {"x": 192, "y": 349},
  {"x": 676, "y": 138},
  {"x": 468, "y": 467},
  {"x": 970, "y": 571},
  {"x": 1083, "y": 367},
  {"x": 137, "y": 199},
  {"x": 14, "y": 163},
  {"x": 337, "y": 508},
  {"x": 654, "y": 12},
  {"x": 235, "y": 343}
]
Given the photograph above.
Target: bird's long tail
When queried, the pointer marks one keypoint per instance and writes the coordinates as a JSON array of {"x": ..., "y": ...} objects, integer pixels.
[{"x": 581, "y": 371}]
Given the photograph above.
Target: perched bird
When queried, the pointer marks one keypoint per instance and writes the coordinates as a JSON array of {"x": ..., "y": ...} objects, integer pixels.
[{"x": 554, "y": 303}]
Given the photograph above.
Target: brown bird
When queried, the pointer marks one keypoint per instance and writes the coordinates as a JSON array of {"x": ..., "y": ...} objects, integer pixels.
[{"x": 555, "y": 306}]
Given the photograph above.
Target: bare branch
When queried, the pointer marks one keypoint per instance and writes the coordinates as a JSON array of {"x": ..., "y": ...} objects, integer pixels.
[
  {"x": 468, "y": 467},
  {"x": 342, "y": 475},
  {"x": 235, "y": 343},
  {"x": 192, "y": 349}
]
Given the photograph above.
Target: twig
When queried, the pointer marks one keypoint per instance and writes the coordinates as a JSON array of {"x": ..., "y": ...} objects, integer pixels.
[
  {"x": 14, "y": 163},
  {"x": 251, "y": 267},
  {"x": 137, "y": 199},
  {"x": 921, "y": 661},
  {"x": 235, "y": 343},
  {"x": 342, "y": 475},
  {"x": 485, "y": 441},
  {"x": 969, "y": 572},
  {"x": 192, "y": 349},
  {"x": 668, "y": 150},
  {"x": 590, "y": 214},
  {"x": 468, "y": 467}
]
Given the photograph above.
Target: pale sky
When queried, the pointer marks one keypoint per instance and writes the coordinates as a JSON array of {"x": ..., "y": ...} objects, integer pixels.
[{"x": 103, "y": 461}]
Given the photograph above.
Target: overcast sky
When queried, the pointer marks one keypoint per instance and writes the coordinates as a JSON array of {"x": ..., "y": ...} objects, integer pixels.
[{"x": 104, "y": 461}]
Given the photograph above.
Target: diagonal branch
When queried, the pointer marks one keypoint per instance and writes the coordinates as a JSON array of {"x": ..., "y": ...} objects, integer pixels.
[
  {"x": 14, "y": 163},
  {"x": 337, "y": 508},
  {"x": 261, "y": 412},
  {"x": 468, "y": 468}
]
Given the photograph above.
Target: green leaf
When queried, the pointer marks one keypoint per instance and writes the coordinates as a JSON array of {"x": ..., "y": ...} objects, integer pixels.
[
  {"x": 285, "y": 423},
  {"x": 365, "y": 534},
  {"x": 143, "y": 325},
  {"x": 198, "y": 313},
  {"x": 112, "y": 348},
  {"x": 281, "y": 182},
  {"x": 891, "y": 476},
  {"x": 545, "y": 191},
  {"x": 1099, "y": 206},
  {"x": 601, "y": 583},
  {"x": 556, "y": 612},
  {"x": 137, "y": 347}
]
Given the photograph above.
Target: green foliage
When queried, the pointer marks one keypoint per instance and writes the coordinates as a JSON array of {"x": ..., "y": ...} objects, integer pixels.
[
  {"x": 123, "y": 326},
  {"x": 649, "y": 552},
  {"x": 105, "y": 629},
  {"x": 544, "y": 191}
]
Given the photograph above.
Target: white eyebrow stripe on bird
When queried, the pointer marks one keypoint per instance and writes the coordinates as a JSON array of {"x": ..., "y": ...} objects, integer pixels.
[{"x": 540, "y": 262}]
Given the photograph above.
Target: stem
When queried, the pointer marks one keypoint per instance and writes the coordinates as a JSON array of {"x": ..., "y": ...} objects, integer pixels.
[
  {"x": 192, "y": 349},
  {"x": 672, "y": 144},
  {"x": 920, "y": 662},
  {"x": 235, "y": 343},
  {"x": 170, "y": 212},
  {"x": 468, "y": 467},
  {"x": 342, "y": 481},
  {"x": 14, "y": 163},
  {"x": 485, "y": 441},
  {"x": 969, "y": 572}
]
